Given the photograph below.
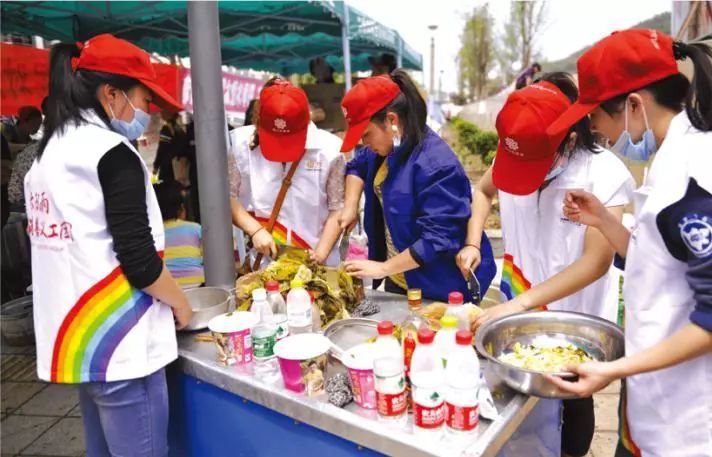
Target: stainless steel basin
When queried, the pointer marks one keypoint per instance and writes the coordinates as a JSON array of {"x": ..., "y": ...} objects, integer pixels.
[{"x": 601, "y": 339}]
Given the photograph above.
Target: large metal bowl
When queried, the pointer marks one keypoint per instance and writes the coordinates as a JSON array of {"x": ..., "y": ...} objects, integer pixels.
[
  {"x": 207, "y": 302},
  {"x": 601, "y": 339}
]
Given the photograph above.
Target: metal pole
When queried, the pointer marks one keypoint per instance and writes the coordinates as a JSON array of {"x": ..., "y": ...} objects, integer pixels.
[
  {"x": 432, "y": 65},
  {"x": 432, "y": 28},
  {"x": 210, "y": 143},
  {"x": 346, "y": 46},
  {"x": 399, "y": 56}
]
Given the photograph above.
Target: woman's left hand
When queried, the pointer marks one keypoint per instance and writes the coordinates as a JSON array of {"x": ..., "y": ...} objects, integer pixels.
[
  {"x": 504, "y": 309},
  {"x": 592, "y": 377},
  {"x": 366, "y": 269}
]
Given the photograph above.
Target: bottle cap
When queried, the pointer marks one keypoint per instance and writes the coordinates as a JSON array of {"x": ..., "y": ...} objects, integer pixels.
[
  {"x": 385, "y": 328},
  {"x": 464, "y": 337},
  {"x": 272, "y": 286},
  {"x": 259, "y": 294},
  {"x": 455, "y": 298},
  {"x": 296, "y": 283},
  {"x": 425, "y": 336},
  {"x": 448, "y": 322}
]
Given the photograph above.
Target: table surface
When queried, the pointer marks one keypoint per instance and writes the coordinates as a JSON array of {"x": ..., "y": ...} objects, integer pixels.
[{"x": 198, "y": 359}]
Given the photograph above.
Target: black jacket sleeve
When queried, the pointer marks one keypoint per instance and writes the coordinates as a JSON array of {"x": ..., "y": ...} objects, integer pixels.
[{"x": 124, "y": 187}]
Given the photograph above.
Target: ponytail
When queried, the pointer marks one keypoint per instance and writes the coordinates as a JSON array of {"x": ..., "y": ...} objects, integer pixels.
[
  {"x": 698, "y": 101},
  {"x": 73, "y": 91},
  {"x": 410, "y": 107},
  {"x": 676, "y": 92}
]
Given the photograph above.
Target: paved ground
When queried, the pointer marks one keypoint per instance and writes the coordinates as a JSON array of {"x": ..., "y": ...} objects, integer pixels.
[
  {"x": 38, "y": 419},
  {"x": 43, "y": 420}
]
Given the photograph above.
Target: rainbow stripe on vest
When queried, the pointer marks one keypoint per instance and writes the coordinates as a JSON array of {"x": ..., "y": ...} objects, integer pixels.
[
  {"x": 94, "y": 327},
  {"x": 513, "y": 281}
]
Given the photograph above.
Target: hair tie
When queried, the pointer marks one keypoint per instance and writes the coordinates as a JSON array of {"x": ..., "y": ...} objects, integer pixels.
[{"x": 677, "y": 50}]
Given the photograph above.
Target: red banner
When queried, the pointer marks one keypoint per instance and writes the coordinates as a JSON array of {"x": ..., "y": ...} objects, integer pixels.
[
  {"x": 25, "y": 81},
  {"x": 237, "y": 91},
  {"x": 24, "y": 77}
]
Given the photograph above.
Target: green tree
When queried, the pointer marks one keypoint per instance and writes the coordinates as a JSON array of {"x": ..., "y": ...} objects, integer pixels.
[
  {"x": 476, "y": 57},
  {"x": 519, "y": 41}
]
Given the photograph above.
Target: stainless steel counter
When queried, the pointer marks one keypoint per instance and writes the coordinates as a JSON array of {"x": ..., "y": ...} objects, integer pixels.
[{"x": 198, "y": 359}]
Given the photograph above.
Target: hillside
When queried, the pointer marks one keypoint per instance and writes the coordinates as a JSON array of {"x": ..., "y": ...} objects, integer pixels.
[{"x": 660, "y": 22}]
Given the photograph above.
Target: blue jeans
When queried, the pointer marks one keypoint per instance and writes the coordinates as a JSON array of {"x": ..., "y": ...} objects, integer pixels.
[{"x": 126, "y": 418}]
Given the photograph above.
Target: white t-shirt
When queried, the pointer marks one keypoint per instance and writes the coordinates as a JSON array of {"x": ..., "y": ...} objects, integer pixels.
[{"x": 561, "y": 241}]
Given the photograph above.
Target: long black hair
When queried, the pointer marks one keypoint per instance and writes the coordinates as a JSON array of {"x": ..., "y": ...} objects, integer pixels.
[
  {"x": 585, "y": 138},
  {"x": 71, "y": 92},
  {"x": 409, "y": 106},
  {"x": 676, "y": 93}
]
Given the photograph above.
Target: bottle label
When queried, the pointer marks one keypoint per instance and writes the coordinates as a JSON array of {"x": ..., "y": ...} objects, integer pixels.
[
  {"x": 263, "y": 346},
  {"x": 462, "y": 418},
  {"x": 428, "y": 416},
  {"x": 280, "y": 322},
  {"x": 408, "y": 349},
  {"x": 391, "y": 405},
  {"x": 300, "y": 318}
]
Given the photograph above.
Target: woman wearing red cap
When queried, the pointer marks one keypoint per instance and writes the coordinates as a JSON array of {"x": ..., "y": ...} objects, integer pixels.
[
  {"x": 417, "y": 194},
  {"x": 631, "y": 86},
  {"x": 259, "y": 162},
  {"x": 104, "y": 302},
  {"x": 550, "y": 261}
]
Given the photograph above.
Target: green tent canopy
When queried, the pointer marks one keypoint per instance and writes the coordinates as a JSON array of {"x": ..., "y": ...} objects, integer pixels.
[{"x": 279, "y": 36}]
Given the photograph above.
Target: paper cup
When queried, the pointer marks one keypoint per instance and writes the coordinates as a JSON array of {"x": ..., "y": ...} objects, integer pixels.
[
  {"x": 302, "y": 361},
  {"x": 233, "y": 337},
  {"x": 359, "y": 364}
]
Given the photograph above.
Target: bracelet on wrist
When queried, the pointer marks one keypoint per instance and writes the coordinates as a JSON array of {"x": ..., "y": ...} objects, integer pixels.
[
  {"x": 256, "y": 231},
  {"x": 474, "y": 246}
]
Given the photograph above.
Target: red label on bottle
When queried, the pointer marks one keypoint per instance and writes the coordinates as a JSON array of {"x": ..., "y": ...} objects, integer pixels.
[
  {"x": 425, "y": 417},
  {"x": 462, "y": 418},
  {"x": 391, "y": 404},
  {"x": 408, "y": 349}
]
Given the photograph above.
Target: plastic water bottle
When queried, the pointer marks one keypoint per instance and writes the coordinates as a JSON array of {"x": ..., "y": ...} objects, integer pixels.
[
  {"x": 462, "y": 376},
  {"x": 264, "y": 336},
  {"x": 445, "y": 338},
  {"x": 427, "y": 378},
  {"x": 455, "y": 302},
  {"x": 389, "y": 374},
  {"x": 299, "y": 308},
  {"x": 279, "y": 309},
  {"x": 387, "y": 345}
]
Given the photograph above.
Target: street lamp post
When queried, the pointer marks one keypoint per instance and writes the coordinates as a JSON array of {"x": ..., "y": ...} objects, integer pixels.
[{"x": 432, "y": 59}]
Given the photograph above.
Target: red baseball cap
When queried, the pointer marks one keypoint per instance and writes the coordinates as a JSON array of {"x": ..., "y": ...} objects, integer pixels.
[
  {"x": 109, "y": 54},
  {"x": 525, "y": 152},
  {"x": 622, "y": 62},
  {"x": 284, "y": 121},
  {"x": 365, "y": 99}
]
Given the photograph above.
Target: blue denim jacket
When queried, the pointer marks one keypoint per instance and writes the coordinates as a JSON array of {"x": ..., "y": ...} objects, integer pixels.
[{"x": 427, "y": 199}]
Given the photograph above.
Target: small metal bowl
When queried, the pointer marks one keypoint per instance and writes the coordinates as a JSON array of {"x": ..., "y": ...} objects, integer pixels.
[
  {"x": 601, "y": 339},
  {"x": 207, "y": 302}
]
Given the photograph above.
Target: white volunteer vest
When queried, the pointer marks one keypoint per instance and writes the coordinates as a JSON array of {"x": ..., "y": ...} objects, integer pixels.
[
  {"x": 305, "y": 208},
  {"x": 90, "y": 323},
  {"x": 669, "y": 411},
  {"x": 542, "y": 242}
]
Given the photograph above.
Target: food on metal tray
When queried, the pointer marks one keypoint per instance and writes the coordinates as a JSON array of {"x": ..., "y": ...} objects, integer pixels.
[
  {"x": 434, "y": 311},
  {"x": 547, "y": 359},
  {"x": 335, "y": 292}
]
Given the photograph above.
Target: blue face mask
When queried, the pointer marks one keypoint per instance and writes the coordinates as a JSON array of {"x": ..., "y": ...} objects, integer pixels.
[
  {"x": 560, "y": 166},
  {"x": 134, "y": 129},
  {"x": 643, "y": 149}
]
